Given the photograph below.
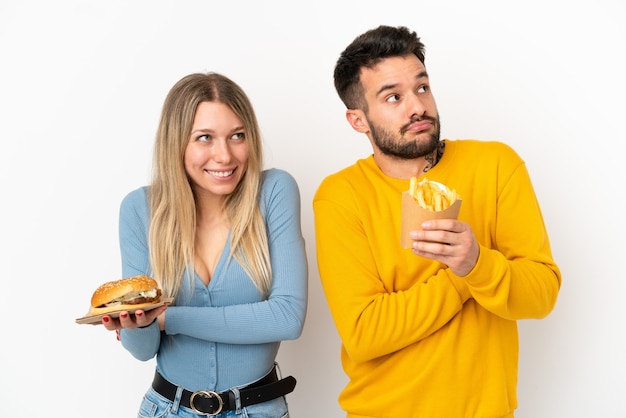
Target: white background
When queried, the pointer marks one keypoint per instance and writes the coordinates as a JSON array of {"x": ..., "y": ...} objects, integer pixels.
[{"x": 81, "y": 88}]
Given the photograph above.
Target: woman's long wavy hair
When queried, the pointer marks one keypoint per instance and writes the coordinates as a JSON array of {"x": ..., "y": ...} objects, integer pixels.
[{"x": 171, "y": 199}]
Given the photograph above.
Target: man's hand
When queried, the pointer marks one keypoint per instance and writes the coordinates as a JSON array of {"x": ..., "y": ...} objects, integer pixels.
[{"x": 448, "y": 241}]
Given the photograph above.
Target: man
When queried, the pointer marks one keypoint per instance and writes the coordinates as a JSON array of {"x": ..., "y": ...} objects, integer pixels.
[{"x": 428, "y": 331}]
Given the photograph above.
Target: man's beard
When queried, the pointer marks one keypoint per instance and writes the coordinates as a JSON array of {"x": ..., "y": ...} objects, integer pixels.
[{"x": 396, "y": 146}]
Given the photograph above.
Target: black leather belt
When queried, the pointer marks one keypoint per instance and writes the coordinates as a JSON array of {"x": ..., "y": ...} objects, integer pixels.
[{"x": 209, "y": 403}]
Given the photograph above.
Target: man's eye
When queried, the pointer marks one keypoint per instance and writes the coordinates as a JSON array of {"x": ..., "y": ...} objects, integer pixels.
[
  {"x": 393, "y": 98},
  {"x": 422, "y": 89}
]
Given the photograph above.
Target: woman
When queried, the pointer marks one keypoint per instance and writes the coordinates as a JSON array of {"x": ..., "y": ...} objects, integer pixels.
[{"x": 223, "y": 237}]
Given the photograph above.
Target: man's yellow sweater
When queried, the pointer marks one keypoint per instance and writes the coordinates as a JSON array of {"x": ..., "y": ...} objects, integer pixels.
[{"x": 418, "y": 341}]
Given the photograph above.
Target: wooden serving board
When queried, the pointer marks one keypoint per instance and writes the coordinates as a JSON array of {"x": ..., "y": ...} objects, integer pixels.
[{"x": 97, "y": 319}]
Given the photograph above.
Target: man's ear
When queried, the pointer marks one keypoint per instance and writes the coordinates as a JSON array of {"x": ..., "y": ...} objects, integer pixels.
[{"x": 356, "y": 119}]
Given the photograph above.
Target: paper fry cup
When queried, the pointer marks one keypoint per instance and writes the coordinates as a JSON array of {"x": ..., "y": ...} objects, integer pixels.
[{"x": 413, "y": 215}]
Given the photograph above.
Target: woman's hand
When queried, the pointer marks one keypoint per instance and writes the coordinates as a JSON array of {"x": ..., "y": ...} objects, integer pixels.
[{"x": 139, "y": 318}]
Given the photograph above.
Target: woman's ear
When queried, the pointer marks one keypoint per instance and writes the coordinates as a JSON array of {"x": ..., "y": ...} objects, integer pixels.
[{"x": 356, "y": 119}]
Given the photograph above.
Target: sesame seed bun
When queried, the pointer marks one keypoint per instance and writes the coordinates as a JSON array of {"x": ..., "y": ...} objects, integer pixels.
[{"x": 128, "y": 291}]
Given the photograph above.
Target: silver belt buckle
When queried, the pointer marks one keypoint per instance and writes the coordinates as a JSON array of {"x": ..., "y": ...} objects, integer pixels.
[{"x": 206, "y": 394}]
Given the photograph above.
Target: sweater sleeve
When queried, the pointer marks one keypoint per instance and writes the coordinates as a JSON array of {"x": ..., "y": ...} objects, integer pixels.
[
  {"x": 142, "y": 343},
  {"x": 281, "y": 316},
  {"x": 517, "y": 278},
  {"x": 374, "y": 314}
]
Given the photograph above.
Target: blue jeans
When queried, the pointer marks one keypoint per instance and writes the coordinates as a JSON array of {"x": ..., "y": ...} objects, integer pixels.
[{"x": 154, "y": 405}]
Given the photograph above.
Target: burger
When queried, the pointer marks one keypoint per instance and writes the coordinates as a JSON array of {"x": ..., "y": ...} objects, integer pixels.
[{"x": 131, "y": 293}]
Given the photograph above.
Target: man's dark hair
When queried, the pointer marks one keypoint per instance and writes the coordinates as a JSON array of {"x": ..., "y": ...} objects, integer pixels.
[{"x": 368, "y": 50}]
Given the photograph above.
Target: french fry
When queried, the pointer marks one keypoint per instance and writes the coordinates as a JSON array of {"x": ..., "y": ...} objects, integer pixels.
[
  {"x": 431, "y": 196},
  {"x": 437, "y": 202}
]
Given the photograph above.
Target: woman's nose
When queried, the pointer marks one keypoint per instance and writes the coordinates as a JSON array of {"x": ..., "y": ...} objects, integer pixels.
[{"x": 221, "y": 151}]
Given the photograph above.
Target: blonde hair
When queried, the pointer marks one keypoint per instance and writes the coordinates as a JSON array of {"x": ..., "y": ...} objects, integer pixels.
[{"x": 171, "y": 199}]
